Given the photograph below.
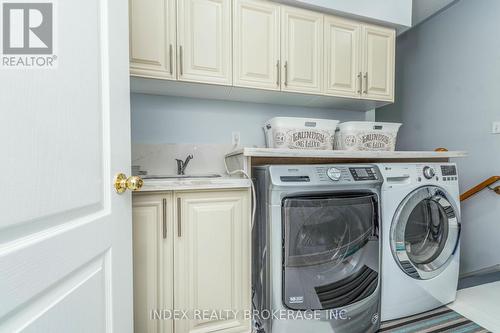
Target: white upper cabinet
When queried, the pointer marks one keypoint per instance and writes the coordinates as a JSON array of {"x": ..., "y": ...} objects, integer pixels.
[
  {"x": 301, "y": 50},
  {"x": 152, "y": 38},
  {"x": 204, "y": 41},
  {"x": 342, "y": 65},
  {"x": 378, "y": 63},
  {"x": 256, "y": 44},
  {"x": 261, "y": 44}
]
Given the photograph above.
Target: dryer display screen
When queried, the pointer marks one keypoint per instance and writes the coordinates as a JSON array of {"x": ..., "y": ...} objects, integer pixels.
[{"x": 363, "y": 174}]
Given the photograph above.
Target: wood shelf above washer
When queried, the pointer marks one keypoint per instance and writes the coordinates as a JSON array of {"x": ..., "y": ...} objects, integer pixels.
[{"x": 245, "y": 158}]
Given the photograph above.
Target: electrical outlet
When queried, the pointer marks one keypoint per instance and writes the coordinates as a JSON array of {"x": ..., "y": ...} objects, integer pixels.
[
  {"x": 495, "y": 128},
  {"x": 236, "y": 139}
]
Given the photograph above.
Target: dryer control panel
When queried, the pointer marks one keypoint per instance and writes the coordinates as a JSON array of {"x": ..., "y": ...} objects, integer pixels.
[{"x": 326, "y": 174}]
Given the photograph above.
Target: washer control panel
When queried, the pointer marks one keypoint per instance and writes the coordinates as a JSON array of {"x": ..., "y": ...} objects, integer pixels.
[
  {"x": 363, "y": 173},
  {"x": 436, "y": 172},
  {"x": 448, "y": 170}
]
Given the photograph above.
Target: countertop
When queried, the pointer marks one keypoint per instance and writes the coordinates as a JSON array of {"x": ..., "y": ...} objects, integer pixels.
[
  {"x": 344, "y": 154},
  {"x": 246, "y": 158},
  {"x": 179, "y": 184}
]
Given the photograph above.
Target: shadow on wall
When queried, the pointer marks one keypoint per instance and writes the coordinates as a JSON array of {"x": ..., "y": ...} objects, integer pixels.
[
  {"x": 164, "y": 119},
  {"x": 447, "y": 92}
]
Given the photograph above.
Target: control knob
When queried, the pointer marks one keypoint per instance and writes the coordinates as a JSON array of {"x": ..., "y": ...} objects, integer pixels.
[
  {"x": 429, "y": 172},
  {"x": 334, "y": 174}
]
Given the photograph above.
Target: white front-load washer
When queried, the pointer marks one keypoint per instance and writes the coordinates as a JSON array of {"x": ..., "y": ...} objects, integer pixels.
[{"x": 420, "y": 237}]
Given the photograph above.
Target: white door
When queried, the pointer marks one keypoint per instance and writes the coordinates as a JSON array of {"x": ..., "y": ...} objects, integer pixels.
[
  {"x": 212, "y": 259},
  {"x": 301, "y": 50},
  {"x": 65, "y": 235},
  {"x": 256, "y": 42},
  {"x": 152, "y": 38},
  {"x": 204, "y": 41},
  {"x": 378, "y": 61},
  {"x": 342, "y": 57}
]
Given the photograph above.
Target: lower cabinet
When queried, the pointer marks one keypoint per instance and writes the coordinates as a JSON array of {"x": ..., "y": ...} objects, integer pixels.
[{"x": 192, "y": 256}]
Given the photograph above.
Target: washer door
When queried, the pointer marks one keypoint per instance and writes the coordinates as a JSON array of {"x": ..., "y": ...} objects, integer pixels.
[{"x": 425, "y": 232}]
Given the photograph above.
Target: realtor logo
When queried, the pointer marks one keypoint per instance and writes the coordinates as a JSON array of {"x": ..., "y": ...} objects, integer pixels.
[{"x": 28, "y": 34}]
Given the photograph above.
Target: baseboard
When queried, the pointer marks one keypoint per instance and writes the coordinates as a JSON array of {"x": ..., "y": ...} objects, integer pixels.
[{"x": 487, "y": 270}]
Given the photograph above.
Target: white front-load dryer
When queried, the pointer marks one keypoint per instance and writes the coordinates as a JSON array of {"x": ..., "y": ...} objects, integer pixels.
[{"x": 420, "y": 237}]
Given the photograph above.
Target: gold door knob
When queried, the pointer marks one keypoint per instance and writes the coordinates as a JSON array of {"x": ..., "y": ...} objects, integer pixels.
[{"x": 122, "y": 183}]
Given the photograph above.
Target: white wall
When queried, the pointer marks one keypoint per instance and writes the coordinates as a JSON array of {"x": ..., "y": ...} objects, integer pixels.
[
  {"x": 447, "y": 95},
  {"x": 164, "y": 119},
  {"x": 393, "y": 12}
]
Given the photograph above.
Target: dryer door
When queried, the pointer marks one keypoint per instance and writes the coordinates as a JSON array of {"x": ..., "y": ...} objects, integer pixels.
[
  {"x": 425, "y": 232},
  {"x": 326, "y": 229},
  {"x": 330, "y": 251}
]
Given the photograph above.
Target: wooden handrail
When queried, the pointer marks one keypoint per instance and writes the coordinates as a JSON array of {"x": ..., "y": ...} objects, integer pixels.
[{"x": 486, "y": 184}]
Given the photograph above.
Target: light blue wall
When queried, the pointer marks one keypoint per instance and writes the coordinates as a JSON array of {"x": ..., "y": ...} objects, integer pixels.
[
  {"x": 447, "y": 95},
  {"x": 164, "y": 119}
]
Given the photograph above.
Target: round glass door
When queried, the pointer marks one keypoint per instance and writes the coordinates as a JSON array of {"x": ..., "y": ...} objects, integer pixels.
[{"x": 425, "y": 232}]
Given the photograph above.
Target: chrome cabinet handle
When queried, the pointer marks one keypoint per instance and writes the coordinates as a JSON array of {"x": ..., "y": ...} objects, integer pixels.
[
  {"x": 164, "y": 202},
  {"x": 278, "y": 73},
  {"x": 366, "y": 83},
  {"x": 360, "y": 82},
  {"x": 181, "y": 61},
  {"x": 179, "y": 220},
  {"x": 171, "y": 59},
  {"x": 286, "y": 73}
]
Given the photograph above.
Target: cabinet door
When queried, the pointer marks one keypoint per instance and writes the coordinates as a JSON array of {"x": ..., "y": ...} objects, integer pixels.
[
  {"x": 153, "y": 261},
  {"x": 342, "y": 57},
  {"x": 378, "y": 58},
  {"x": 204, "y": 41},
  {"x": 212, "y": 259},
  {"x": 152, "y": 38},
  {"x": 301, "y": 50},
  {"x": 256, "y": 44}
]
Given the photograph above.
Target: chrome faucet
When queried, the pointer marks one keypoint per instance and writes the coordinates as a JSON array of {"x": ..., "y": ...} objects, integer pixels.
[{"x": 182, "y": 165}]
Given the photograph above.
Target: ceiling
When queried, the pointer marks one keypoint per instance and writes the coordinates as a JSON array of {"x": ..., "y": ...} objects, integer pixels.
[{"x": 423, "y": 9}]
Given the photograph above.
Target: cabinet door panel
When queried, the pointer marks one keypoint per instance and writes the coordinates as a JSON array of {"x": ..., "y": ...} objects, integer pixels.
[
  {"x": 152, "y": 38},
  {"x": 302, "y": 50},
  {"x": 256, "y": 43},
  {"x": 379, "y": 58},
  {"x": 204, "y": 41},
  {"x": 342, "y": 57},
  {"x": 212, "y": 261},
  {"x": 153, "y": 261}
]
